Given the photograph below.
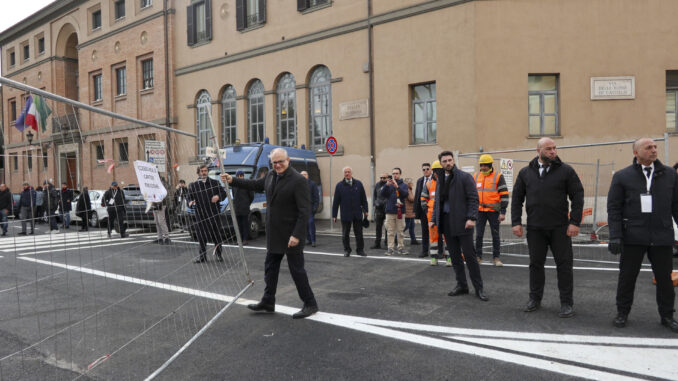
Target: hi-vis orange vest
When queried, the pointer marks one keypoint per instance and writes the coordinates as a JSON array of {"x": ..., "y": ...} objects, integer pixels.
[
  {"x": 428, "y": 196},
  {"x": 489, "y": 198}
]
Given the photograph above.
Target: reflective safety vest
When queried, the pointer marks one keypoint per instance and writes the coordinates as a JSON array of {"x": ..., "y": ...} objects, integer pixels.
[
  {"x": 489, "y": 197},
  {"x": 428, "y": 198}
]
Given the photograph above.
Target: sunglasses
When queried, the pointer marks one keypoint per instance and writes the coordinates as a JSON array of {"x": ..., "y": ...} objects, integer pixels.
[
  {"x": 426, "y": 169},
  {"x": 383, "y": 178}
]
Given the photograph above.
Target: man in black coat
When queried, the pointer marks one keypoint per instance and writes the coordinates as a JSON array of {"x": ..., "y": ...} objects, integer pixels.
[
  {"x": 641, "y": 204},
  {"x": 455, "y": 212},
  {"x": 205, "y": 194},
  {"x": 83, "y": 208},
  {"x": 419, "y": 211},
  {"x": 52, "y": 199},
  {"x": 379, "y": 203},
  {"x": 114, "y": 202},
  {"x": 65, "y": 205},
  {"x": 349, "y": 195},
  {"x": 288, "y": 207},
  {"x": 315, "y": 203},
  {"x": 242, "y": 199},
  {"x": 5, "y": 207},
  {"x": 547, "y": 183}
]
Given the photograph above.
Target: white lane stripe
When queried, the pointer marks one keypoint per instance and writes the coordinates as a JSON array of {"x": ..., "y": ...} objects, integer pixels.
[
  {"x": 61, "y": 244},
  {"x": 404, "y": 259},
  {"x": 359, "y": 324},
  {"x": 60, "y": 249}
]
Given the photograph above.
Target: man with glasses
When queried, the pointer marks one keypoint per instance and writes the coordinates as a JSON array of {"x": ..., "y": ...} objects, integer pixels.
[
  {"x": 205, "y": 194},
  {"x": 288, "y": 207},
  {"x": 379, "y": 203},
  {"x": 395, "y": 193},
  {"x": 421, "y": 208}
]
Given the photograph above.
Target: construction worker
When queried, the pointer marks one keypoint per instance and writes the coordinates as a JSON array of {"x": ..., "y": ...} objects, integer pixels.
[
  {"x": 493, "y": 196},
  {"x": 428, "y": 197}
]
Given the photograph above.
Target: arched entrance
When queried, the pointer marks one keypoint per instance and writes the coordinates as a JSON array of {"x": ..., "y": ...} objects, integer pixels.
[{"x": 65, "y": 132}]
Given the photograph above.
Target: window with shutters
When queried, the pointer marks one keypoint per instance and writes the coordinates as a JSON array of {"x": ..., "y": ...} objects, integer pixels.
[
  {"x": 228, "y": 114},
  {"x": 424, "y": 113},
  {"x": 199, "y": 22},
  {"x": 304, "y": 5},
  {"x": 147, "y": 74},
  {"x": 287, "y": 110},
  {"x": 320, "y": 107},
  {"x": 250, "y": 13},
  {"x": 255, "y": 112},
  {"x": 121, "y": 81},
  {"x": 97, "y": 84}
]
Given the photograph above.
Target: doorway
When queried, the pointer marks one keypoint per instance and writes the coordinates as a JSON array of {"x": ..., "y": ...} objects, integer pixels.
[{"x": 69, "y": 170}]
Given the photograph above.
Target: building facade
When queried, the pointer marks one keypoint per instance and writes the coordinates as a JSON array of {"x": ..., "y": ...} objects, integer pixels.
[
  {"x": 395, "y": 81},
  {"x": 112, "y": 54}
]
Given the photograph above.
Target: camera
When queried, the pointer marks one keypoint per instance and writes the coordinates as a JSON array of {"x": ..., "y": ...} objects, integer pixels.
[{"x": 390, "y": 177}]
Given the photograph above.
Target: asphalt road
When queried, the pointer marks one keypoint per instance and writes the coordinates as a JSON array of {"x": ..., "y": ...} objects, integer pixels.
[{"x": 382, "y": 318}]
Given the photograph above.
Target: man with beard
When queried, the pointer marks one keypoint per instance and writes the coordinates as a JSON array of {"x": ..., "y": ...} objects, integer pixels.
[
  {"x": 546, "y": 183},
  {"x": 205, "y": 194}
]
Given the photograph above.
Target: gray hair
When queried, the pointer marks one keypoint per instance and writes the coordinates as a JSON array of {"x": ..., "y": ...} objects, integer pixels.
[
  {"x": 278, "y": 150},
  {"x": 347, "y": 167},
  {"x": 26, "y": 183}
]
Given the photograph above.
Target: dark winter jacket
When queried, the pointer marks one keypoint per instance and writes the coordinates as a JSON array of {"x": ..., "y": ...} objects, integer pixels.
[
  {"x": 546, "y": 205},
  {"x": 389, "y": 192},
  {"x": 66, "y": 199},
  {"x": 6, "y": 200},
  {"x": 378, "y": 200},
  {"x": 462, "y": 197},
  {"x": 315, "y": 196},
  {"x": 624, "y": 216},
  {"x": 84, "y": 204},
  {"x": 51, "y": 197},
  {"x": 118, "y": 197},
  {"x": 27, "y": 198},
  {"x": 352, "y": 200},
  {"x": 242, "y": 199}
]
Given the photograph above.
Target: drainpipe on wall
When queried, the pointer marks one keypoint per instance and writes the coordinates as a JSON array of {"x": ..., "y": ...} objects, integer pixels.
[
  {"x": 168, "y": 159},
  {"x": 370, "y": 68}
]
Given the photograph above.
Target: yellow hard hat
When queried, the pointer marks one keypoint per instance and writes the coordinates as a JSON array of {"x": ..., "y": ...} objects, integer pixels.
[
  {"x": 436, "y": 165},
  {"x": 485, "y": 159}
]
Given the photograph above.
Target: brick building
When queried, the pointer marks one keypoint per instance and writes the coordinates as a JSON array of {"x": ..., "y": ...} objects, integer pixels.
[{"x": 112, "y": 54}]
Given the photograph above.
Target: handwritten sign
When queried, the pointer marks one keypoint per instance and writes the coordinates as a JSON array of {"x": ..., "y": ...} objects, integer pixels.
[{"x": 149, "y": 181}]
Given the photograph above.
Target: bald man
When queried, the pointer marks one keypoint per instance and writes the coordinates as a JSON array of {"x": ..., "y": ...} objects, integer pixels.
[
  {"x": 545, "y": 186},
  {"x": 642, "y": 201}
]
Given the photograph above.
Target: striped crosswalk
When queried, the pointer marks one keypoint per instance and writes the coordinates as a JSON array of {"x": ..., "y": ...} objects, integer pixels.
[{"x": 72, "y": 241}]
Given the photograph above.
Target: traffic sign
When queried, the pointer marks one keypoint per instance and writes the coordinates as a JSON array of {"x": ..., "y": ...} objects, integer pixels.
[
  {"x": 331, "y": 145},
  {"x": 156, "y": 154}
]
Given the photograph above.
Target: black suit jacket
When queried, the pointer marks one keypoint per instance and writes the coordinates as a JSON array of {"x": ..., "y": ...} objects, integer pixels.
[
  {"x": 288, "y": 207},
  {"x": 418, "y": 211},
  {"x": 463, "y": 200}
]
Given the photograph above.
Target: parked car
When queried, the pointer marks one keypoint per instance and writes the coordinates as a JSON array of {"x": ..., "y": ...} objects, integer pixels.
[
  {"x": 98, "y": 216},
  {"x": 135, "y": 206},
  {"x": 253, "y": 161}
]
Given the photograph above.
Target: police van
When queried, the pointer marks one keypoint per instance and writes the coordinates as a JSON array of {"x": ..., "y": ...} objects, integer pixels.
[{"x": 253, "y": 160}]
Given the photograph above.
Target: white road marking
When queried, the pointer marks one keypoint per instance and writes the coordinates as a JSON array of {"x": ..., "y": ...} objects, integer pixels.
[
  {"x": 579, "y": 353},
  {"x": 70, "y": 249},
  {"x": 420, "y": 260}
]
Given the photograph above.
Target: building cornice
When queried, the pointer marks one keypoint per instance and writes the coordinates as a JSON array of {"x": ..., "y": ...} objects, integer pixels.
[
  {"x": 124, "y": 28},
  {"x": 38, "y": 18},
  {"x": 398, "y": 14},
  {"x": 36, "y": 64}
]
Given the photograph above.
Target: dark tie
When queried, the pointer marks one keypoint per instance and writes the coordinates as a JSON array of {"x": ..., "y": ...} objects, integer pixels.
[
  {"x": 544, "y": 169},
  {"x": 649, "y": 171}
]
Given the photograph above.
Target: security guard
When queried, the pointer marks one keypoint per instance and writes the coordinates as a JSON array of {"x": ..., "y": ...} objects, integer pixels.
[{"x": 493, "y": 198}]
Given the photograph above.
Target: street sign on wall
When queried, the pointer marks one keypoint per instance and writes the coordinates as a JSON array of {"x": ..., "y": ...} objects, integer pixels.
[{"x": 156, "y": 154}]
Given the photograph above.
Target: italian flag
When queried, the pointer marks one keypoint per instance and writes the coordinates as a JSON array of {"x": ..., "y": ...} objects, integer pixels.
[{"x": 33, "y": 110}]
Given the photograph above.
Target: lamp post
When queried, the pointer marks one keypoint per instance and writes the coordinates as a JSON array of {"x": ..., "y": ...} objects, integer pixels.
[{"x": 29, "y": 136}]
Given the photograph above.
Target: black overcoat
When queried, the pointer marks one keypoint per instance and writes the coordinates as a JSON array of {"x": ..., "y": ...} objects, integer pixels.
[{"x": 208, "y": 224}]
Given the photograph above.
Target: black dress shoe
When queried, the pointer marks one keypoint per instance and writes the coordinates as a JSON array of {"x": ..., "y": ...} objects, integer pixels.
[
  {"x": 262, "y": 307},
  {"x": 671, "y": 324},
  {"x": 532, "y": 305},
  {"x": 458, "y": 291},
  {"x": 21, "y": 233},
  {"x": 566, "y": 311},
  {"x": 620, "y": 320},
  {"x": 347, "y": 253},
  {"x": 312, "y": 244},
  {"x": 305, "y": 312},
  {"x": 481, "y": 295},
  {"x": 200, "y": 260}
]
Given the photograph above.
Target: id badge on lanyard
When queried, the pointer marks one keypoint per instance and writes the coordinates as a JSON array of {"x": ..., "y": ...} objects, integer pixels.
[
  {"x": 112, "y": 200},
  {"x": 646, "y": 199}
]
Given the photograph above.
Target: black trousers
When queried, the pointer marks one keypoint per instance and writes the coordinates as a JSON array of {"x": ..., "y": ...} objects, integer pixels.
[
  {"x": 483, "y": 218},
  {"x": 357, "y": 230},
  {"x": 379, "y": 219},
  {"x": 457, "y": 245},
  {"x": 538, "y": 243},
  {"x": 116, "y": 214},
  {"x": 424, "y": 234},
  {"x": 243, "y": 227},
  {"x": 629, "y": 266},
  {"x": 296, "y": 265}
]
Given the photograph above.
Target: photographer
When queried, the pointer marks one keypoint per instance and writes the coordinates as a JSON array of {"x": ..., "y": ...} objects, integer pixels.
[{"x": 395, "y": 193}]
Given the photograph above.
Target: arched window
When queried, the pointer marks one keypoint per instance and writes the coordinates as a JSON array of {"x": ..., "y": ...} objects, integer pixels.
[
  {"x": 228, "y": 123},
  {"x": 205, "y": 133},
  {"x": 320, "y": 107},
  {"x": 255, "y": 112},
  {"x": 287, "y": 111}
]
